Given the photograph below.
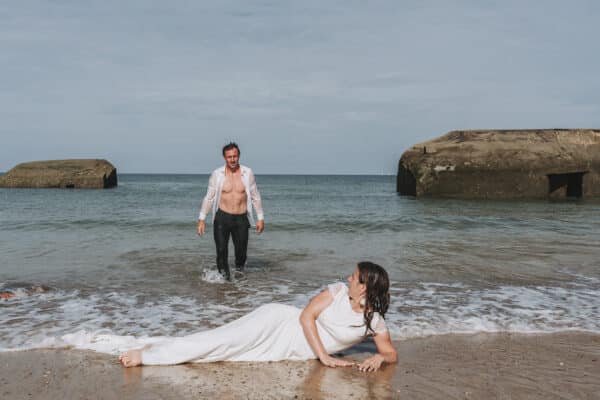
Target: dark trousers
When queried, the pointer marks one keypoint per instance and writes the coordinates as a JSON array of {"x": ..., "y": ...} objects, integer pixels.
[{"x": 236, "y": 226}]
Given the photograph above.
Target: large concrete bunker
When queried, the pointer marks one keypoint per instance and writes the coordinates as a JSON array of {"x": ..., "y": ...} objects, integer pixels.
[{"x": 504, "y": 164}]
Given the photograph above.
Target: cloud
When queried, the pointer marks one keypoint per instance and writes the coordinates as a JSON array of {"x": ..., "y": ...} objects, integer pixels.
[{"x": 369, "y": 77}]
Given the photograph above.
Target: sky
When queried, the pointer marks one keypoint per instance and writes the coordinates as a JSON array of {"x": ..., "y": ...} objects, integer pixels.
[{"x": 304, "y": 87}]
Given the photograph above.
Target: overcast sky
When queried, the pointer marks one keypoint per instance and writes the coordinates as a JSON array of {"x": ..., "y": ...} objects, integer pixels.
[{"x": 325, "y": 87}]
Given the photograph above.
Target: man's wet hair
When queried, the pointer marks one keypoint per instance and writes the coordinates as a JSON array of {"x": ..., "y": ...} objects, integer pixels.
[{"x": 230, "y": 146}]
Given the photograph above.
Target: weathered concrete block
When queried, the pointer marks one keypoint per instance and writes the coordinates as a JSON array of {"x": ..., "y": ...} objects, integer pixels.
[
  {"x": 80, "y": 174},
  {"x": 504, "y": 164}
]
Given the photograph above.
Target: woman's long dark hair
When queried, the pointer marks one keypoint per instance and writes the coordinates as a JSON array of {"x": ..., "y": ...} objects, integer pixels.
[{"x": 378, "y": 291}]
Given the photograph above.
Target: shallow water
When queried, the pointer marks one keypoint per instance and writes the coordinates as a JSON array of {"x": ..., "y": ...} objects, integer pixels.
[{"x": 127, "y": 261}]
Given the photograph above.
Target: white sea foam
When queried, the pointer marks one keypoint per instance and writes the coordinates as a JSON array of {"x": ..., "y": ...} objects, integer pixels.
[
  {"x": 111, "y": 321},
  {"x": 47, "y": 320},
  {"x": 212, "y": 276},
  {"x": 102, "y": 341},
  {"x": 432, "y": 309}
]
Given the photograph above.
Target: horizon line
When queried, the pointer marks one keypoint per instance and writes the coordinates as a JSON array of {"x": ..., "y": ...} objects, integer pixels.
[{"x": 259, "y": 173}]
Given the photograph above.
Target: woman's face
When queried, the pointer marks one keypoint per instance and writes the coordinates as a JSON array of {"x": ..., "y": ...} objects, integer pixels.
[{"x": 355, "y": 288}]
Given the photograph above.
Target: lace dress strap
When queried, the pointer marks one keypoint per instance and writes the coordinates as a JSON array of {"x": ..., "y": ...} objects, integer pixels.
[
  {"x": 380, "y": 326},
  {"x": 336, "y": 288}
]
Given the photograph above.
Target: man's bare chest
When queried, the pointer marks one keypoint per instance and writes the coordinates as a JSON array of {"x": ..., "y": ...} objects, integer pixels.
[{"x": 233, "y": 184}]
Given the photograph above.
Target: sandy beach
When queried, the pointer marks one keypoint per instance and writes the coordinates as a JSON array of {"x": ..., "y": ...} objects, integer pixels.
[{"x": 482, "y": 366}]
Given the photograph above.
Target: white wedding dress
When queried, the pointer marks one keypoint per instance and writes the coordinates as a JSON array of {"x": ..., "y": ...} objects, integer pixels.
[{"x": 270, "y": 333}]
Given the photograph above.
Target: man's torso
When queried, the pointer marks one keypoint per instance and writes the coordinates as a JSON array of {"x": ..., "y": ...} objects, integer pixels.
[{"x": 233, "y": 193}]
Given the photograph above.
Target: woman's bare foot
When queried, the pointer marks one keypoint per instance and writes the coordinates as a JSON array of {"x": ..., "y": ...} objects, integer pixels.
[{"x": 131, "y": 358}]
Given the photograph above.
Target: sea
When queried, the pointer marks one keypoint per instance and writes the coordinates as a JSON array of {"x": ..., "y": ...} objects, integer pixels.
[{"x": 108, "y": 269}]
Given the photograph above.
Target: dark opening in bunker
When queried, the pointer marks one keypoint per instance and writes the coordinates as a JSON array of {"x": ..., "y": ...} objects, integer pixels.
[
  {"x": 406, "y": 184},
  {"x": 566, "y": 185}
]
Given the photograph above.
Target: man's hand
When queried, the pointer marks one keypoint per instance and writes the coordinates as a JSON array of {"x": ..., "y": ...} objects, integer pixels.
[
  {"x": 201, "y": 227},
  {"x": 260, "y": 226}
]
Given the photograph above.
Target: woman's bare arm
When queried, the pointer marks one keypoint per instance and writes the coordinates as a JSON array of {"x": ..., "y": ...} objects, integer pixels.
[
  {"x": 308, "y": 319},
  {"x": 385, "y": 353}
]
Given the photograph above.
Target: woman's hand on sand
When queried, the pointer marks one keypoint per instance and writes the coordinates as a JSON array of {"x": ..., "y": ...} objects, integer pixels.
[
  {"x": 335, "y": 362},
  {"x": 371, "y": 364}
]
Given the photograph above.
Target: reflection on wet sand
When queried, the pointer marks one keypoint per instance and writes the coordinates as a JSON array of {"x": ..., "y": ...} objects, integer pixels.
[
  {"x": 347, "y": 383},
  {"x": 271, "y": 380},
  {"x": 497, "y": 366}
]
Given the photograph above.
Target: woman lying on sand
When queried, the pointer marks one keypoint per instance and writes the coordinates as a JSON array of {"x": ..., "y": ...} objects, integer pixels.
[{"x": 335, "y": 319}]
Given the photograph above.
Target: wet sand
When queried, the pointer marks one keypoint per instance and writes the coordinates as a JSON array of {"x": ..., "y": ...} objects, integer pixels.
[{"x": 482, "y": 366}]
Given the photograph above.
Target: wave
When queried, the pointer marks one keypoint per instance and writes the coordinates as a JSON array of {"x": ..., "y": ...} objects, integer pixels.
[
  {"x": 91, "y": 224},
  {"x": 305, "y": 222},
  {"x": 110, "y": 322}
]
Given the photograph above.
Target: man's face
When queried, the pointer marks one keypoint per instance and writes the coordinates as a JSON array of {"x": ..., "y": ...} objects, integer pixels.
[{"x": 232, "y": 158}]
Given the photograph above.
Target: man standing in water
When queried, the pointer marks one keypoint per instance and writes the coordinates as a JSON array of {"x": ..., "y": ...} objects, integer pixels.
[{"x": 231, "y": 192}]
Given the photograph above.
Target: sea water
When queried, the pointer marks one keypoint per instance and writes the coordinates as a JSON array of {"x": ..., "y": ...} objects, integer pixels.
[{"x": 127, "y": 263}]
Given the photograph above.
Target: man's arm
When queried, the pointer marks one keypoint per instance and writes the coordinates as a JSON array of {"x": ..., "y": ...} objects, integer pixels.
[
  {"x": 201, "y": 228},
  {"x": 207, "y": 202}
]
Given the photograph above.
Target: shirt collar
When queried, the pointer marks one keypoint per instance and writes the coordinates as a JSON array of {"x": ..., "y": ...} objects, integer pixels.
[{"x": 242, "y": 169}]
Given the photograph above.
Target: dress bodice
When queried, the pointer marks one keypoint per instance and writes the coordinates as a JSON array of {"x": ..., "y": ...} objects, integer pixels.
[{"x": 339, "y": 325}]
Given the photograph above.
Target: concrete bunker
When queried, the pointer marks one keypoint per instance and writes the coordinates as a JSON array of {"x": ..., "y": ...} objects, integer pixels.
[
  {"x": 569, "y": 185},
  {"x": 69, "y": 174},
  {"x": 504, "y": 164},
  {"x": 406, "y": 184}
]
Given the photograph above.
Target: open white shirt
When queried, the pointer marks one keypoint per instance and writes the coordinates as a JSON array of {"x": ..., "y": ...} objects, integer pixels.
[{"x": 215, "y": 186}]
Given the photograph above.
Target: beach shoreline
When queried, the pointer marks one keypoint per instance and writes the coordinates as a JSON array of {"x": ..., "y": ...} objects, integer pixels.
[{"x": 492, "y": 366}]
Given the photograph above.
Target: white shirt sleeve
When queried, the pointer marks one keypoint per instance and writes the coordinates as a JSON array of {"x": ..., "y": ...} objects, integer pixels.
[
  {"x": 211, "y": 193},
  {"x": 255, "y": 197}
]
